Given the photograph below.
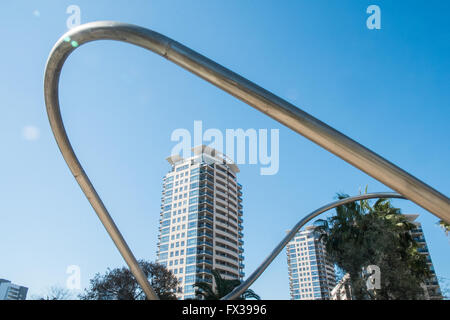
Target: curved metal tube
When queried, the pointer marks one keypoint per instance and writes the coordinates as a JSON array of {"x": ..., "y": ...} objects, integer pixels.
[
  {"x": 257, "y": 97},
  {"x": 255, "y": 275}
]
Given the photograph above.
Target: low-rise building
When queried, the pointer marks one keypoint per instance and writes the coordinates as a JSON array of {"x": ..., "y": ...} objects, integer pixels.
[{"x": 11, "y": 291}]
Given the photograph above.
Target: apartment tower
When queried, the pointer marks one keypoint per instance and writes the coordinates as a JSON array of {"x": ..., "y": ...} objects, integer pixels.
[
  {"x": 432, "y": 290},
  {"x": 311, "y": 274},
  {"x": 201, "y": 219}
]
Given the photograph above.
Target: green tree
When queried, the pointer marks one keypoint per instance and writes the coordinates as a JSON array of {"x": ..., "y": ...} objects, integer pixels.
[
  {"x": 120, "y": 284},
  {"x": 223, "y": 287},
  {"x": 445, "y": 226},
  {"x": 360, "y": 235}
]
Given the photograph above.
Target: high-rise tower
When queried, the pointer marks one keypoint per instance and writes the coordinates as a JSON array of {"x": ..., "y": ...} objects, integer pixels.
[
  {"x": 432, "y": 290},
  {"x": 201, "y": 219},
  {"x": 311, "y": 274}
]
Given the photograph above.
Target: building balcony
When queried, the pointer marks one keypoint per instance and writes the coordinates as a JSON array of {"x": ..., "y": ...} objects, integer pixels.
[
  {"x": 231, "y": 180},
  {"x": 220, "y": 183},
  {"x": 221, "y": 205},
  {"x": 224, "y": 236},
  {"x": 226, "y": 232},
  {"x": 227, "y": 250},
  {"x": 204, "y": 252},
  {"x": 205, "y": 225},
  {"x": 233, "y": 211},
  {"x": 207, "y": 172},
  {"x": 222, "y": 213},
  {"x": 205, "y": 200},
  {"x": 232, "y": 187},
  {"x": 232, "y": 203},
  {"x": 206, "y": 193},
  {"x": 205, "y": 217},
  {"x": 206, "y": 209},
  {"x": 227, "y": 258},
  {"x": 231, "y": 175},
  {"x": 205, "y": 234},
  {"x": 206, "y": 261},
  {"x": 206, "y": 243},
  {"x": 198, "y": 279},
  {"x": 221, "y": 178},
  {"x": 205, "y": 186},
  {"x": 222, "y": 202},
  {"x": 227, "y": 265},
  {"x": 232, "y": 192},
  {"x": 201, "y": 270},
  {"x": 220, "y": 193},
  {"x": 204, "y": 177}
]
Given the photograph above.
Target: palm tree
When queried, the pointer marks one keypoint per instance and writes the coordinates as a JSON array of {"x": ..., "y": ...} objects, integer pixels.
[
  {"x": 223, "y": 287},
  {"x": 445, "y": 226},
  {"x": 360, "y": 235}
]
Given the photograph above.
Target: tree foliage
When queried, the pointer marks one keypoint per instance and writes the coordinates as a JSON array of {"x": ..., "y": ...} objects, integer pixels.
[
  {"x": 56, "y": 293},
  {"x": 360, "y": 235},
  {"x": 445, "y": 226},
  {"x": 120, "y": 284},
  {"x": 223, "y": 287}
]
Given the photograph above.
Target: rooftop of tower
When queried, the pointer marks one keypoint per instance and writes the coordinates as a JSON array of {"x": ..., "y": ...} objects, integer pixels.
[{"x": 214, "y": 156}]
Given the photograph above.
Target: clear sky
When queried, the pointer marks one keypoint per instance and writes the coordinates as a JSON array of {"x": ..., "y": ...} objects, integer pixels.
[{"x": 389, "y": 89}]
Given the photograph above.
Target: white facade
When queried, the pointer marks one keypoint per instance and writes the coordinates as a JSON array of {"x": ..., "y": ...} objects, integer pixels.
[
  {"x": 311, "y": 274},
  {"x": 201, "y": 220}
]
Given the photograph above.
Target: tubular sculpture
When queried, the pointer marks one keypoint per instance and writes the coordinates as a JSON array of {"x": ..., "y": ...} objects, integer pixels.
[{"x": 287, "y": 114}]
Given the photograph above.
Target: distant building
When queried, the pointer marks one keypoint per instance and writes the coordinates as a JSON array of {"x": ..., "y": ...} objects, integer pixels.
[
  {"x": 10, "y": 291},
  {"x": 311, "y": 273},
  {"x": 431, "y": 287}
]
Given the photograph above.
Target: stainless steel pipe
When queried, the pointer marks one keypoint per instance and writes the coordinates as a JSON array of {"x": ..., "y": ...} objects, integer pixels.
[
  {"x": 259, "y": 98},
  {"x": 239, "y": 290}
]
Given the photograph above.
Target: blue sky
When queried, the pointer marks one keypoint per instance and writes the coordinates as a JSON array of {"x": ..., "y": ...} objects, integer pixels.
[{"x": 389, "y": 89}]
